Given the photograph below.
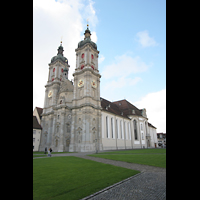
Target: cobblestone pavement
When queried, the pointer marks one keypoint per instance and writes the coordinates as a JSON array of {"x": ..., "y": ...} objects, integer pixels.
[
  {"x": 148, "y": 185},
  {"x": 144, "y": 186}
]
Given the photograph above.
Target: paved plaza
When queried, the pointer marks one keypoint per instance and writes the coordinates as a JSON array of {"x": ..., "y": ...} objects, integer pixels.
[{"x": 150, "y": 184}]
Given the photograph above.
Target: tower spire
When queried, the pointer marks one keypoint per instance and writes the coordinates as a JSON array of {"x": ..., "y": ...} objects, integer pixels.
[
  {"x": 87, "y": 23},
  {"x": 61, "y": 41}
]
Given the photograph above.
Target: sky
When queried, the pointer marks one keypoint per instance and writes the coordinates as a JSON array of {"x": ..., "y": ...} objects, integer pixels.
[{"x": 131, "y": 38}]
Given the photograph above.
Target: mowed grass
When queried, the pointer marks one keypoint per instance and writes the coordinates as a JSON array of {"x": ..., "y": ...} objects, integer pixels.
[
  {"x": 137, "y": 151},
  {"x": 152, "y": 157},
  {"x": 71, "y": 178}
]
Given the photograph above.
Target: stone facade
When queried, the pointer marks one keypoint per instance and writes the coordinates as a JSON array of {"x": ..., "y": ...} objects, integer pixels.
[{"x": 76, "y": 119}]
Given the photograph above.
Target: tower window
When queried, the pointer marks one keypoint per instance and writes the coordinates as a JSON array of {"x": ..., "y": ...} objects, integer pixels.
[
  {"x": 92, "y": 56},
  {"x": 82, "y": 56}
]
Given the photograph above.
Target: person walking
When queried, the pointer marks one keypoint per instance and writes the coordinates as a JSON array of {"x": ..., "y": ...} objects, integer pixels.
[
  {"x": 45, "y": 150},
  {"x": 49, "y": 153}
]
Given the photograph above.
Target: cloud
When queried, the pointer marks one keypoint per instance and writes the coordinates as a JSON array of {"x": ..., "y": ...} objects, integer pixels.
[
  {"x": 145, "y": 40},
  {"x": 124, "y": 66},
  {"x": 155, "y": 104},
  {"x": 122, "y": 82},
  {"x": 94, "y": 36},
  {"x": 101, "y": 59},
  {"x": 90, "y": 14},
  {"x": 51, "y": 21}
]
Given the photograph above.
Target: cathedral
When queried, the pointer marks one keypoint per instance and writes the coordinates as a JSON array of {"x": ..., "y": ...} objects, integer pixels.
[{"x": 76, "y": 119}]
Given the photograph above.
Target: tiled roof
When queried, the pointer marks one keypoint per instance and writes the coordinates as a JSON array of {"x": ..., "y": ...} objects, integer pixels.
[
  {"x": 39, "y": 110},
  {"x": 151, "y": 125},
  {"x": 127, "y": 107},
  {"x": 111, "y": 107},
  {"x": 36, "y": 125},
  {"x": 122, "y": 108}
]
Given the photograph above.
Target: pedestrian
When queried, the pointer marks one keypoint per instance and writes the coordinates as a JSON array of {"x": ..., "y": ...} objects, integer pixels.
[
  {"x": 51, "y": 150},
  {"x": 45, "y": 150},
  {"x": 49, "y": 153}
]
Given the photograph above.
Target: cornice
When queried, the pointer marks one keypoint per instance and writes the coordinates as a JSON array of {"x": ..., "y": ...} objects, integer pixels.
[
  {"x": 86, "y": 68},
  {"x": 87, "y": 45},
  {"x": 53, "y": 83},
  {"x": 60, "y": 61},
  {"x": 86, "y": 105}
]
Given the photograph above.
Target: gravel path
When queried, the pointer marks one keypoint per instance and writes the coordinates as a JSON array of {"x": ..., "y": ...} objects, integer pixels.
[
  {"x": 150, "y": 184},
  {"x": 142, "y": 168}
]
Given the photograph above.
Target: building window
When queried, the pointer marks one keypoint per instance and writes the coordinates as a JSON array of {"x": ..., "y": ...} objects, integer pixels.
[
  {"x": 117, "y": 129},
  {"x": 107, "y": 127},
  {"x": 112, "y": 126},
  {"x": 68, "y": 128},
  {"x": 82, "y": 56},
  {"x": 122, "y": 135},
  {"x": 135, "y": 129},
  {"x": 33, "y": 147},
  {"x": 33, "y": 139},
  {"x": 125, "y": 132},
  {"x": 34, "y": 131},
  {"x": 141, "y": 127},
  {"x": 129, "y": 130}
]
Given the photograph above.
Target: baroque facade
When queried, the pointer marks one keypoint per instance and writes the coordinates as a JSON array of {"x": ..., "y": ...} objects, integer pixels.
[{"x": 75, "y": 118}]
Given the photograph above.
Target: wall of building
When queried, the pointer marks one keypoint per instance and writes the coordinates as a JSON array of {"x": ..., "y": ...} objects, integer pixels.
[
  {"x": 36, "y": 139},
  {"x": 35, "y": 113},
  {"x": 118, "y": 132}
]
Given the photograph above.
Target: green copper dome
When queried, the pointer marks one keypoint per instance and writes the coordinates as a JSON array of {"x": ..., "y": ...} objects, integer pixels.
[
  {"x": 60, "y": 55},
  {"x": 87, "y": 40}
]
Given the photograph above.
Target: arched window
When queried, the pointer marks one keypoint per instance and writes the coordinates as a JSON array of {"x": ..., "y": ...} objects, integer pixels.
[
  {"x": 112, "y": 127},
  {"x": 129, "y": 130},
  {"x": 135, "y": 129},
  {"x": 107, "y": 127},
  {"x": 117, "y": 129},
  {"x": 125, "y": 132},
  {"x": 146, "y": 128},
  {"x": 122, "y": 134}
]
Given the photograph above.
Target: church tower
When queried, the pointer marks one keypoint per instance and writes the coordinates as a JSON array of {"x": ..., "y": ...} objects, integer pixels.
[
  {"x": 86, "y": 105},
  {"x": 56, "y": 116}
]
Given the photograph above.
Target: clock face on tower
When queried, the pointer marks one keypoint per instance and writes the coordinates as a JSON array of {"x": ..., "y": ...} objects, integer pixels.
[
  {"x": 80, "y": 83},
  {"x": 93, "y": 83},
  {"x": 50, "y": 93}
]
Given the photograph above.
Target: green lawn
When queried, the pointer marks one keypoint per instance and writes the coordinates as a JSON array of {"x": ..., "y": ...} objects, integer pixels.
[
  {"x": 73, "y": 178},
  {"x": 153, "y": 157},
  {"x": 137, "y": 151},
  {"x": 40, "y": 155}
]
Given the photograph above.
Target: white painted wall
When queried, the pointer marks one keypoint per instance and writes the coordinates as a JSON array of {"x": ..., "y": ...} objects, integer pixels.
[
  {"x": 36, "y": 135},
  {"x": 123, "y": 132}
]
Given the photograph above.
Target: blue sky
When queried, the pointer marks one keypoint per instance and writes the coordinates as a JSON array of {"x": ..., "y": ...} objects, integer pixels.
[{"x": 131, "y": 38}]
